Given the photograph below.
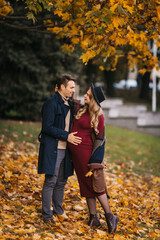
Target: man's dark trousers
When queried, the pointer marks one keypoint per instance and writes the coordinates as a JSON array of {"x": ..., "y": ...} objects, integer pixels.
[{"x": 53, "y": 188}]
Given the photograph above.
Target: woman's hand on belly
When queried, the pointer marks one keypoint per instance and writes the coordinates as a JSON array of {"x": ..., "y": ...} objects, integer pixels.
[{"x": 74, "y": 139}]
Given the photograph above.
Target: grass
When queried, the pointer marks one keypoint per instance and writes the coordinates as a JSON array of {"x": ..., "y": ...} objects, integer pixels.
[
  {"x": 19, "y": 131},
  {"x": 130, "y": 149},
  {"x": 139, "y": 151}
]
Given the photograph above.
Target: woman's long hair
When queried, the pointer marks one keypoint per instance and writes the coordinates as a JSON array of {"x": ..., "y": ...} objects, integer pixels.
[{"x": 94, "y": 111}]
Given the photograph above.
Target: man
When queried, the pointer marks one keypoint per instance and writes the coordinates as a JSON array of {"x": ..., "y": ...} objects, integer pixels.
[{"x": 54, "y": 160}]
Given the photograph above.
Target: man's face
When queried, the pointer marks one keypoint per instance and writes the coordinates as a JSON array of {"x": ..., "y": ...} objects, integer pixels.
[{"x": 69, "y": 90}]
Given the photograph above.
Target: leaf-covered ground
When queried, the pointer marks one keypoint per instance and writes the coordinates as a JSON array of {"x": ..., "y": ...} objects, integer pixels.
[{"x": 133, "y": 198}]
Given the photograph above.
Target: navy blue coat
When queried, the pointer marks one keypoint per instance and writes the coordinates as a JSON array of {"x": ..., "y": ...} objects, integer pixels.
[{"x": 53, "y": 125}]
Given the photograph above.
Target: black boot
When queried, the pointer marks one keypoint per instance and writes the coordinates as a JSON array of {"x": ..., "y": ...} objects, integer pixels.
[
  {"x": 94, "y": 221},
  {"x": 111, "y": 222}
]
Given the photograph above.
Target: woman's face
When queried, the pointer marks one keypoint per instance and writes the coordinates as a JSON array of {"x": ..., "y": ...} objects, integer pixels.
[{"x": 87, "y": 97}]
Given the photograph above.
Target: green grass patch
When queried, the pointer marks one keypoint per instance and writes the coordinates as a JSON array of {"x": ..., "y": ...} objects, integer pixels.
[
  {"x": 126, "y": 148},
  {"x": 138, "y": 151},
  {"x": 19, "y": 131}
]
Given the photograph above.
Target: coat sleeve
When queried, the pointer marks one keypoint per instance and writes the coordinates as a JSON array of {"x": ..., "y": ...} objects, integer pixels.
[
  {"x": 48, "y": 119},
  {"x": 99, "y": 143}
]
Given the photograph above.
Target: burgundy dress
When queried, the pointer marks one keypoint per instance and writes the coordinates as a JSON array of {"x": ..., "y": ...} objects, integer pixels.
[{"x": 81, "y": 154}]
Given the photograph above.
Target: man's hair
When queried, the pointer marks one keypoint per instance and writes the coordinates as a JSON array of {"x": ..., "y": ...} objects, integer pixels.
[{"x": 64, "y": 79}]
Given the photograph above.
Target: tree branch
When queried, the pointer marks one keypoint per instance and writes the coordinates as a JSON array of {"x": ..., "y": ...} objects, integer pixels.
[
  {"x": 34, "y": 29},
  {"x": 13, "y": 17}
]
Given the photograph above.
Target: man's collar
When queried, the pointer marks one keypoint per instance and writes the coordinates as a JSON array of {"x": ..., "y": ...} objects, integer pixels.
[
  {"x": 59, "y": 98},
  {"x": 64, "y": 98}
]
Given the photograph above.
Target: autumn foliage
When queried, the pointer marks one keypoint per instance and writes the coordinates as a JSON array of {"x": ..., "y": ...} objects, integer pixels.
[
  {"x": 133, "y": 199},
  {"x": 5, "y": 8},
  {"x": 104, "y": 29}
]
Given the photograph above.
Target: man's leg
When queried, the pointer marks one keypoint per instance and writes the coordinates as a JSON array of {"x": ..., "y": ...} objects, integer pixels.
[
  {"x": 58, "y": 191},
  {"x": 47, "y": 196}
]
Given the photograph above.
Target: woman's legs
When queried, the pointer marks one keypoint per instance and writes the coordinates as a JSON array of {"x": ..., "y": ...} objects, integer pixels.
[
  {"x": 91, "y": 202},
  {"x": 93, "y": 220},
  {"x": 104, "y": 203},
  {"x": 110, "y": 218}
]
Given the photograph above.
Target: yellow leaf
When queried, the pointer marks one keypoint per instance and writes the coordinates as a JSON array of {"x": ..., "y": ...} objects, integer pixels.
[
  {"x": 119, "y": 237},
  {"x": 120, "y": 181},
  {"x": 81, "y": 34},
  {"x": 140, "y": 6},
  {"x": 36, "y": 236},
  {"x": 138, "y": 153},
  {"x": 75, "y": 40},
  {"x": 126, "y": 203},
  {"x": 87, "y": 56},
  {"x": 56, "y": 29},
  {"x": 101, "y": 233},
  {"x": 88, "y": 13},
  {"x": 58, "y": 12},
  {"x": 85, "y": 43},
  {"x": 67, "y": 48},
  {"x": 101, "y": 68},
  {"x": 152, "y": 234},
  {"x": 65, "y": 16},
  {"x": 129, "y": 28},
  {"x": 8, "y": 174},
  {"x": 115, "y": 22},
  {"x": 158, "y": 12},
  {"x": 114, "y": 7},
  {"x": 157, "y": 231},
  {"x": 135, "y": 230},
  {"x": 89, "y": 173},
  {"x": 130, "y": 9},
  {"x": 156, "y": 179},
  {"x": 5, "y": 207},
  {"x": 5, "y": 8},
  {"x": 142, "y": 71},
  {"x": 20, "y": 231}
]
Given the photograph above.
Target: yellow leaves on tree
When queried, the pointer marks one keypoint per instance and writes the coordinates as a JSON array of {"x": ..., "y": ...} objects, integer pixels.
[
  {"x": 5, "y": 8},
  {"x": 113, "y": 24},
  {"x": 96, "y": 26},
  {"x": 158, "y": 12}
]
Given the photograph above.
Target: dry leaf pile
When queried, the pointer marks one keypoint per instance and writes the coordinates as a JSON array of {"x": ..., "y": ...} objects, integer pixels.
[{"x": 133, "y": 199}]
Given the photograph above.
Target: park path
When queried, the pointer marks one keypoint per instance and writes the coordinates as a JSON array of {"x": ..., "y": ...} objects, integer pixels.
[{"x": 133, "y": 198}]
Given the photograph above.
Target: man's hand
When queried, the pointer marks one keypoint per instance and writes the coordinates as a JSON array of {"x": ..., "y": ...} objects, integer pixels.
[{"x": 74, "y": 139}]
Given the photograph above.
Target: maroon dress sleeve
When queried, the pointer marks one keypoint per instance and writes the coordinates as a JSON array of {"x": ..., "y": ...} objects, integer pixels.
[{"x": 100, "y": 125}]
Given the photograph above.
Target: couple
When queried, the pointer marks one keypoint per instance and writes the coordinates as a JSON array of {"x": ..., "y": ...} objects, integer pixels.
[{"x": 82, "y": 145}]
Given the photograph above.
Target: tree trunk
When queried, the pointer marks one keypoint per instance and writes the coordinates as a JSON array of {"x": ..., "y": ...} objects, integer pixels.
[
  {"x": 109, "y": 79},
  {"x": 144, "y": 86}
]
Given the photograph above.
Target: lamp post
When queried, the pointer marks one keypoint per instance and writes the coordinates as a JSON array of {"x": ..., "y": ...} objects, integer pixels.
[{"x": 154, "y": 80}]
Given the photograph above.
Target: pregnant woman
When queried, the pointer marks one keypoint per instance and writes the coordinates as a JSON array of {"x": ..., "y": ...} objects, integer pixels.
[{"x": 89, "y": 125}]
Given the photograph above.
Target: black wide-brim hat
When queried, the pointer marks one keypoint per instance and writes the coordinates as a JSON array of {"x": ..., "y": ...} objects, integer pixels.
[{"x": 98, "y": 94}]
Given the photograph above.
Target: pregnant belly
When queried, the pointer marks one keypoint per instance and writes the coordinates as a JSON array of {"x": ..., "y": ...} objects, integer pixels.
[{"x": 85, "y": 144}]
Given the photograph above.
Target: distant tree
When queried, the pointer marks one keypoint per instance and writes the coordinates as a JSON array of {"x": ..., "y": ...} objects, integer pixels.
[
  {"x": 109, "y": 79},
  {"x": 30, "y": 63},
  {"x": 144, "y": 86}
]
